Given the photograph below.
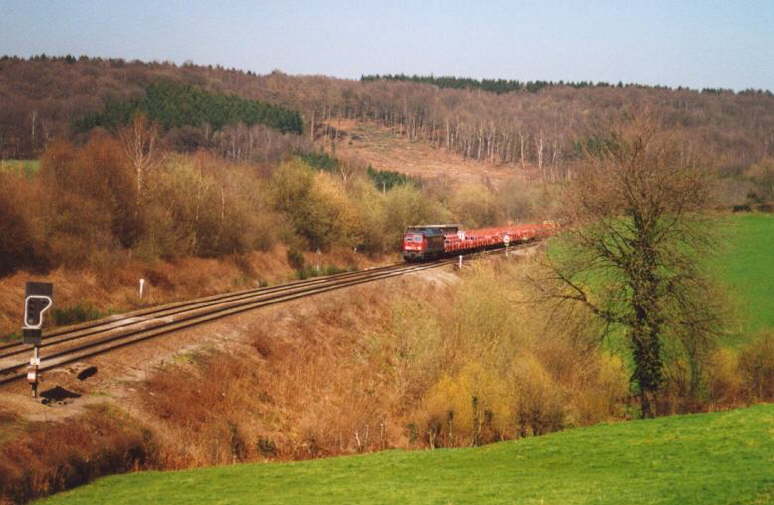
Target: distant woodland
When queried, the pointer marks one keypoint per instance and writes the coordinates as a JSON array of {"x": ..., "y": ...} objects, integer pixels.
[
  {"x": 536, "y": 123},
  {"x": 162, "y": 160}
]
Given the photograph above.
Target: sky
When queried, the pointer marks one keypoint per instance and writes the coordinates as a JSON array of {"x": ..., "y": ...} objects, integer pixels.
[{"x": 719, "y": 44}]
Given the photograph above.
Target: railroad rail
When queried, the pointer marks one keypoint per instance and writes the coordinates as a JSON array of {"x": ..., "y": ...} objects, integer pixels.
[{"x": 70, "y": 344}]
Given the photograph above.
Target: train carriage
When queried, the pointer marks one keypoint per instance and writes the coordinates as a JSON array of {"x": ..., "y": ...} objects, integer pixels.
[{"x": 425, "y": 242}]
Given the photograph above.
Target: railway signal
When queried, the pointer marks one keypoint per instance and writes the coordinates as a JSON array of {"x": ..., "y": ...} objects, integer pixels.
[{"x": 38, "y": 298}]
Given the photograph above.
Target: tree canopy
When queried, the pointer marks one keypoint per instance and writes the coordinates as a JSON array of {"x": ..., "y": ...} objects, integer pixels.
[
  {"x": 174, "y": 105},
  {"x": 632, "y": 250}
]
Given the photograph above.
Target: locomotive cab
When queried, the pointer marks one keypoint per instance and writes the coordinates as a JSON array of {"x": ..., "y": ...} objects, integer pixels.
[
  {"x": 426, "y": 241},
  {"x": 413, "y": 246}
]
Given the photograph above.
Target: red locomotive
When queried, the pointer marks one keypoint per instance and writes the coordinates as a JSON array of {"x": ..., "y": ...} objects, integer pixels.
[{"x": 432, "y": 241}]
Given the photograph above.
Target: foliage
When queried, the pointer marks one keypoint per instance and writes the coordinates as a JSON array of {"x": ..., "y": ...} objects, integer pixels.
[
  {"x": 756, "y": 366},
  {"x": 320, "y": 161},
  {"x": 762, "y": 175},
  {"x": 385, "y": 180},
  {"x": 316, "y": 204},
  {"x": 492, "y": 85},
  {"x": 296, "y": 258},
  {"x": 28, "y": 168},
  {"x": 476, "y": 206},
  {"x": 20, "y": 244},
  {"x": 699, "y": 459},
  {"x": 637, "y": 228},
  {"x": 175, "y": 105},
  {"x": 310, "y": 271},
  {"x": 78, "y": 313},
  {"x": 99, "y": 442},
  {"x": 536, "y": 132}
]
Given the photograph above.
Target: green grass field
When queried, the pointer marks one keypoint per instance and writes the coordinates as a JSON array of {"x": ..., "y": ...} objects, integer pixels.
[
  {"x": 746, "y": 266},
  {"x": 25, "y": 167},
  {"x": 718, "y": 458}
]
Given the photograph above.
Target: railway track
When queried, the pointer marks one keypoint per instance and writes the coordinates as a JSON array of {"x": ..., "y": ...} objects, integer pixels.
[{"x": 70, "y": 344}]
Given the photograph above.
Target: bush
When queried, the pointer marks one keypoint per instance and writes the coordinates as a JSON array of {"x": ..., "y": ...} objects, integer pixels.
[
  {"x": 75, "y": 314},
  {"x": 723, "y": 377},
  {"x": 475, "y": 206},
  {"x": 296, "y": 259},
  {"x": 756, "y": 366},
  {"x": 51, "y": 457},
  {"x": 318, "y": 208},
  {"x": 309, "y": 271},
  {"x": 19, "y": 244}
]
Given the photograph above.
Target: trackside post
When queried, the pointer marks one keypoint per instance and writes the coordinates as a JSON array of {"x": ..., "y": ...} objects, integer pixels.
[{"x": 38, "y": 298}]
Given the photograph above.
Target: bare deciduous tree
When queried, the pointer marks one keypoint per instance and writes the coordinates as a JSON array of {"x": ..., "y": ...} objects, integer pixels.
[
  {"x": 632, "y": 248},
  {"x": 139, "y": 142}
]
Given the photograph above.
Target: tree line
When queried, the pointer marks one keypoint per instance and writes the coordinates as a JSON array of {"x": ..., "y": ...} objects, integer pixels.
[
  {"x": 127, "y": 194},
  {"x": 174, "y": 105},
  {"x": 500, "y": 86},
  {"x": 537, "y": 134}
]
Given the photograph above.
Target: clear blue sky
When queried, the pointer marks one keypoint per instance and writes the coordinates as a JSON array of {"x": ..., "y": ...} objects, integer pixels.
[{"x": 708, "y": 43}]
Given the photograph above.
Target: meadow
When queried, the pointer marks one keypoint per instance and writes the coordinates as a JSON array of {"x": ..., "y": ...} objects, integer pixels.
[
  {"x": 745, "y": 265},
  {"x": 713, "y": 458},
  {"x": 28, "y": 168}
]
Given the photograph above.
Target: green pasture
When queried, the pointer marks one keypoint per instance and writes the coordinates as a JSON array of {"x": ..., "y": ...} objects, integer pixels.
[
  {"x": 27, "y": 168},
  {"x": 718, "y": 458},
  {"x": 745, "y": 264}
]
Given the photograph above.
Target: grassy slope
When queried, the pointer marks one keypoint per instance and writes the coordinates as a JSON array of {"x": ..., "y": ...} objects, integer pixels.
[
  {"x": 747, "y": 267},
  {"x": 26, "y": 167},
  {"x": 711, "y": 458}
]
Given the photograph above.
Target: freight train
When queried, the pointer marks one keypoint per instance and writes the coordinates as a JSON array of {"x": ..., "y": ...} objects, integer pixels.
[{"x": 431, "y": 241}]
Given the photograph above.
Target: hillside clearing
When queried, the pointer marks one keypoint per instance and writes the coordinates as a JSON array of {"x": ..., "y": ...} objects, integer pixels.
[{"x": 384, "y": 149}]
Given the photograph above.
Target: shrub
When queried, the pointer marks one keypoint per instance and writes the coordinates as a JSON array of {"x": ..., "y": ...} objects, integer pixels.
[
  {"x": 19, "y": 244},
  {"x": 75, "y": 314},
  {"x": 756, "y": 366},
  {"x": 318, "y": 208},
  {"x": 295, "y": 258},
  {"x": 475, "y": 206},
  {"x": 724, "y": 380},
  {"x": 51, "y": 457}
]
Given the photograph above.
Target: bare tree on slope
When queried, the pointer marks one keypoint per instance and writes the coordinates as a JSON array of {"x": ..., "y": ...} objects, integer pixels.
[{"x": 631, "y": 251}]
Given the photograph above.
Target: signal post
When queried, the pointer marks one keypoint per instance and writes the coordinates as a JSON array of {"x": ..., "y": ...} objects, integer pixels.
[{"x": 38, "y": 298}]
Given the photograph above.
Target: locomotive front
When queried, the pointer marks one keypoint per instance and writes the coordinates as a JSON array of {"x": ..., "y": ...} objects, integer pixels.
[
  {"x": 414, "y": 246},
  {"x": 425, "y": 242}
]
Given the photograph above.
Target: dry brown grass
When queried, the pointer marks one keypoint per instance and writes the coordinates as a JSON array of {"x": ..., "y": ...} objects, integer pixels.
[
  {"x": 111, "y": 285},
  {"x": 421, "y": 364},
  {"x": 391, "y": 370},
  {"x": 304, "y": 388},
  {"x": 50, "y": 457}
]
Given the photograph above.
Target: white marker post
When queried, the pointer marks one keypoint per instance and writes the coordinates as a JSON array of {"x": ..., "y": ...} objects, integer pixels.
[
  {"x": 506, "y": 241},
  {"x": 142, "y": 286},
  {"x": 459, "y": 265}
]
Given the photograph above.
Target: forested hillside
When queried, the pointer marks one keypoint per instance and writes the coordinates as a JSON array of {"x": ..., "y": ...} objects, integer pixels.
[
  {"x": 178, "y": 105},
  {"x": 542, "y": 127}
]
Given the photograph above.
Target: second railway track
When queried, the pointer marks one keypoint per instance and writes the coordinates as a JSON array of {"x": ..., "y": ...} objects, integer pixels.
[{"x": 70, "y": 344}]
